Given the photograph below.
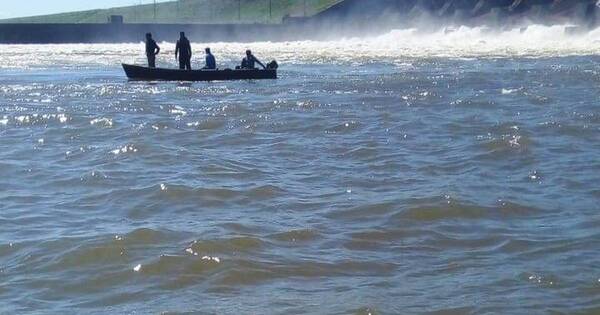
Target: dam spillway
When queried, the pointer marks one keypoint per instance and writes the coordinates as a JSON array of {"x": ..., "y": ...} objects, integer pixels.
[{"x": 345, "y": 18}]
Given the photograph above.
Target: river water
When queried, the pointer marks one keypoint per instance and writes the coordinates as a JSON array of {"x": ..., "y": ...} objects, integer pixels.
[{"x": 444, "y": 173}]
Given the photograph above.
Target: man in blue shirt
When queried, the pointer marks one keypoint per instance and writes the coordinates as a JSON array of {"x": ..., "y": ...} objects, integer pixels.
[{"x": 211, "y": 62}]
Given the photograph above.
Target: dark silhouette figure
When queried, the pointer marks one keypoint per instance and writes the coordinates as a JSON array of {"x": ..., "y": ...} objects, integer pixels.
[
  {"x": 250, "y": 61},
  {"x": 211, "y": 62},
  {"x": 152, "y": 50},
  {"x": 183, "y": 51}
]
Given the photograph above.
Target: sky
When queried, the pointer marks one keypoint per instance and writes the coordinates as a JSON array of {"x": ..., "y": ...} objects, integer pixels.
[{"x": 20, "y": 8}]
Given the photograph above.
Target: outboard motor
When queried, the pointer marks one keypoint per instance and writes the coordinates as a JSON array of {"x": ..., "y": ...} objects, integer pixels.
[{"x": 272, "y": 65}]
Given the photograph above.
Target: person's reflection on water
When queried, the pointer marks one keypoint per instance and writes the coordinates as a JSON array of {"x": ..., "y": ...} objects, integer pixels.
[{"x": 152, "y": 50}]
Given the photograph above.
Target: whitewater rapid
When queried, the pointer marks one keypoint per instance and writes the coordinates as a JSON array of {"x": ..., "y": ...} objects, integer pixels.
[{"x": 394, "y": 46}]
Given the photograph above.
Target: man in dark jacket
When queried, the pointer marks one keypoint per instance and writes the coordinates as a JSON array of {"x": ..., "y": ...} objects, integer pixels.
[
  {"x": 250, "y": 61},
  {"x": 152, "y": 50},
  {"x": 183, "y": 52}
]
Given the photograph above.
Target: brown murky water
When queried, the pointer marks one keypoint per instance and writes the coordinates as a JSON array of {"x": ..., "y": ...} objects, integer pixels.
[{"x": 371, "y": 182}]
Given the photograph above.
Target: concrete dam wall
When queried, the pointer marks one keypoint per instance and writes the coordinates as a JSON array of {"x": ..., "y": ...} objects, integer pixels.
[
  {"x": 350, "y": 17},
  {"x": 128, "y": 33},
  {"x": 496, "y": 13}
]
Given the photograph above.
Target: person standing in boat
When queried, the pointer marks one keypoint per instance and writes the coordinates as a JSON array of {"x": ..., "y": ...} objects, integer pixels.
[
  {"x": 183, "y": 51},
  {"x": 211, "y": 62},
  {"x": 249, "y": 62},
  {"x": 152, "y": 50}
]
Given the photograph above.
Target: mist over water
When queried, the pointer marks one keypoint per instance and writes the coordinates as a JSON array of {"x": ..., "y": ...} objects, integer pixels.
[
  {"x": 452, "y": 172},
  {"x": 535, "y": 41}
]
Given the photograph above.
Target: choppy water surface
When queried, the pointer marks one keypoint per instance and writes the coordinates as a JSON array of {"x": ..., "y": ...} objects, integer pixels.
[{"x": 407, "y": 174}]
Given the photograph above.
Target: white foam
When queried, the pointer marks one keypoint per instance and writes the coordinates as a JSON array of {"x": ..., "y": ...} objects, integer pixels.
[
  {"x": 106, "y": 122},
  {"x": 393, "y": 46},
  {"x": 124, "y": 149}
]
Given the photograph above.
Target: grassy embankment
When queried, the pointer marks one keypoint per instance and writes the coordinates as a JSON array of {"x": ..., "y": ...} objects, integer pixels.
[{"x": 193, "y": 11}]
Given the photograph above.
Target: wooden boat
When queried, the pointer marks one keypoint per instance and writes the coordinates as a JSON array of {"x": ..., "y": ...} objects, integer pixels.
[{"x": 159, "y": 74}]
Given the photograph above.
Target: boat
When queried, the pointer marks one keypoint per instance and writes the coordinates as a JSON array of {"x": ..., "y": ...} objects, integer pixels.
[{"x": 135, "y": 72}]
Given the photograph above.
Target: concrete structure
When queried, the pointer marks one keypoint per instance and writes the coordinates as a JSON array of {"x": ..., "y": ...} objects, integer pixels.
[
  {"x": 352, "y": 17},
  {"x": 119, "y": 33}
]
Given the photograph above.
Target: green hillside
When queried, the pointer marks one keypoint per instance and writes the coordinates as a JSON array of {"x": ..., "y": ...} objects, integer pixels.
[{"x": 193, "y": 11}]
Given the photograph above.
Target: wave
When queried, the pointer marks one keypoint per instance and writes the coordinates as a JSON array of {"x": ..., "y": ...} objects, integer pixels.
[
  {"x": 254, "y": 272},
  {"x": 304, "y": 235},
  {"x": 443, "y": 209},
  {"x": 230, "y": 245}
]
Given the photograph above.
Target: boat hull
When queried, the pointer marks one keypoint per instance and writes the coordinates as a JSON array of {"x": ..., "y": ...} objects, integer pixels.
[{"x": 134, "y": 72}]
